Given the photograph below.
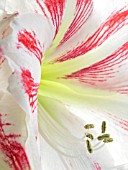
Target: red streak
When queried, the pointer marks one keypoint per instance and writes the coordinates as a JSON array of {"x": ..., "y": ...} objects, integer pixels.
[
  {"x": 100, "y": 75},
  {"x": 97, "y": 166},
  {"x": 31, "y": 88},
  {"x": 55, "y": 8},
  {"x": 1, "y": 57},
  {"x": 83, "y": 11},
  {"x": 30, "y": 42},
  {"x": 119, "y": 122},
  {"x": 1, "y": 60},
  {"x": 114, "y": 23},
  {"x": 14, "y": 153},
  {"x": 123, "y": 124},
  {"x": 38, "y": 2}
]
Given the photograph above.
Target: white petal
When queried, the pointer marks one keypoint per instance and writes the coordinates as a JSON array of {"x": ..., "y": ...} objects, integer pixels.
[
  {"x": 12, "y": 6},
  {"x": 53, "y": 120},
  {"x": 24, "y": 50},
  {"x": 49, "y": 157},
  {"x": 64, "y": 132},
  {"x": 55, "y": 125},
  {"x": 52, "y": 160},
  {"x": 5, "y": 72}
]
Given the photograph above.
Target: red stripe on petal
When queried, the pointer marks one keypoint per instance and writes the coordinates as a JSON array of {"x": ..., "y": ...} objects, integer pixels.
[
  {"x": 56, "y": 10},
  {"x": 83, "y": 11},
  {"x": 119, "y": 122},
  {"x": 39, "y": 3},
  {"x": 97, "y": 166},
  {"x": 107, "y": 74},
  {"x": 1, "y": 60},
  {"x": 31, "y": 88},
  {"x": 1, "y": 57},
  {"x": 30, "y": 42},
  {"x": 123, "y": 124},
  {"x": 114, "y": 23},
  {"x": 14, "y": 153}
]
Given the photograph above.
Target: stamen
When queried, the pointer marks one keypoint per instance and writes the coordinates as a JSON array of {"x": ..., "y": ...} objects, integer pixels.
[
  {"x": 103, "y": 127},
  {"x": 89, "y": 126}
]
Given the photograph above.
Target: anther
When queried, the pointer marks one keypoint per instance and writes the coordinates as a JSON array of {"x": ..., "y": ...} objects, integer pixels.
[
  {"x": 89, "y": 135},
  {"x": 103, "y": 136},
  {"x": 108, "y": 140},
  {"x": 103, "y": 127},
  {"x": 89, "y": 147},
  {"x": 89, "y": 126}
]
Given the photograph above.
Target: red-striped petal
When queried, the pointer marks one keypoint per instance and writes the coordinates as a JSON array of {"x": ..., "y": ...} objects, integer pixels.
[
  {"x": 14, "y": 153},
  {"x": 112, "y": 25},
  {"x": 55, "y": 9},
  {"x": 83, "y": 11},
  {"x": 107, "y": 74}
]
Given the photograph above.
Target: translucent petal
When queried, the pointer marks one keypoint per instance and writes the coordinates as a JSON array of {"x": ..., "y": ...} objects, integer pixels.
[
  {"x": 64, "y": 132},
  {"x": 66, "y": 163},
  {"x": 57, "y": 124}
]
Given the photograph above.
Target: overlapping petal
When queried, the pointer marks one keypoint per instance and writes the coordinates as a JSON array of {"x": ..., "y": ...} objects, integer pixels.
[
  {"x": 13, "y": 135},
  {"x": 99, "y": 77},
  {"x": 94, "y": 74},
  {"x": 97, "y": 69},
  {"x": 28, "y": 44},
  {"x": 99, "y": 22},
  {"x": 58, "y": 127}
]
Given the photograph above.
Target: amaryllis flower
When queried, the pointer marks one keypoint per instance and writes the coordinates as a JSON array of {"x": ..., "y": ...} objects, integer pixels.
[{"x": 63, "y": 84}]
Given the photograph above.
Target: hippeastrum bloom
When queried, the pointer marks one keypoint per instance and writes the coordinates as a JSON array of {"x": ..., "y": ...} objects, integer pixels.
[{"x": 63, "y": 84}]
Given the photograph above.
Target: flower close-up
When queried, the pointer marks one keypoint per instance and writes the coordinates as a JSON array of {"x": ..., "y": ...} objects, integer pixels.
[{"x": 63, "y": 84}]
